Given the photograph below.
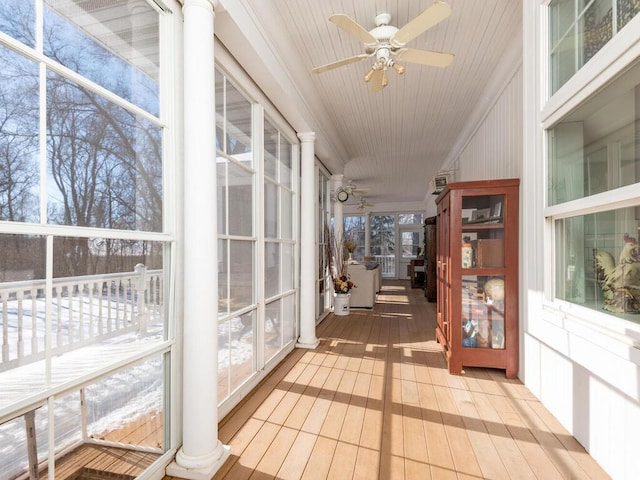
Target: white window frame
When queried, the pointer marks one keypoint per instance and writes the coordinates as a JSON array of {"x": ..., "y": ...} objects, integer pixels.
[{"x": 612, "y": 60}]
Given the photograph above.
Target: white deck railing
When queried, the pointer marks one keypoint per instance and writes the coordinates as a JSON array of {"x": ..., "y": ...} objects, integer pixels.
[
  {"x": 388, "y": 264},
  {"x": 83, "y": 310}
]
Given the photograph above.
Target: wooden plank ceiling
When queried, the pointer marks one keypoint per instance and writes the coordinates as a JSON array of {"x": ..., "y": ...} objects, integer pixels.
[{"x": 396, "y": 139}]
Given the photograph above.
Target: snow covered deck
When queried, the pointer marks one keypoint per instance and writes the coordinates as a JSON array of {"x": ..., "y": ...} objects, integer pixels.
[{"x": 56, "y": 338}]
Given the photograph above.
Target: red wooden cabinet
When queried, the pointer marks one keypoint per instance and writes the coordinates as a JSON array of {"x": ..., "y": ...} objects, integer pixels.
[{"x": 477, "y": 274}]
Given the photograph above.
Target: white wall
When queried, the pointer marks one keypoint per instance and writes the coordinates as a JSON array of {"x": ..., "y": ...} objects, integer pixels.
[
  {"x": 583, "y": 365},
  {"x": 491, "y": 146},
  {"x": 495, "y": 150}
]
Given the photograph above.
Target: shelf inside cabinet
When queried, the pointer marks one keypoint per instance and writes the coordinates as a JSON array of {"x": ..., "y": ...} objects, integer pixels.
[{"x": 482, "y": 226}]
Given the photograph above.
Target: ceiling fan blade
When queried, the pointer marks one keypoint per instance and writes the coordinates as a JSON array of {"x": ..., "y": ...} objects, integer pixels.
[
  {"x": 427, "y": 19},
  {"x": 376, "y": 81},
  {"x": 353, "y": 28},
  {"x": 339, "y": 63},
  {"x": 425, "y": 57}
]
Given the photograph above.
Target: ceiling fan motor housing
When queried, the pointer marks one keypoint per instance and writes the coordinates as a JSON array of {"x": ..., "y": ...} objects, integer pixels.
[{"x": 382, "y": 19}]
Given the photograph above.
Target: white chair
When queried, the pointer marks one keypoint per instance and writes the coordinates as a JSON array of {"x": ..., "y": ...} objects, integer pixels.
[{"x": 366, "y": 281}]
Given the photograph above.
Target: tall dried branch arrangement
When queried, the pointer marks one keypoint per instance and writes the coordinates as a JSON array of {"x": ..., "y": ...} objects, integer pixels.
[{"x": 337, "y": 255}]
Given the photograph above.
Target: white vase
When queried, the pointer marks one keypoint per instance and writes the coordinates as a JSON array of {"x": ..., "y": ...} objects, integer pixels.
[{"x": 341, "y": 303}]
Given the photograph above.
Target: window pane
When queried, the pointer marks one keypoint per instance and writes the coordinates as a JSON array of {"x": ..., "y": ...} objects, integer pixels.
[
  {"x": 238, "y": 126},
  {"x": 597, "y": 27},
  {"x": 13, "y": 448},
  {"x": 626, "y": 11},
  {"x": 19, "y": 116},
  {"x": 223, "y": 277},
  {"x": 104, "y": 163},
  {"x": 236, "y": 352},
  {"x": 598, "y": 261},
  {"x": 18, "y": 19},
  {"x": 107, "y": 302},
  {"x": 593, "y": 149},
  {"x": 410, "y": 244},
  {"x": 240, "y": 187},
  {"x": 242, "y": 263},
  {"x": 133, "y": 397},
  {"x": 578, "y": 29},
  {"x": 22, "y": 317},
  {"x": 220, "y": 120},
  {"x": 287, "y": 215},
  {"x": 270, "y": 210},
  {"x": 288, "y": 267},
  {"x": 563, "y": 60},
  {"x": 221, "y": 193},
  {"x": 288, "y": 319},
  {"x": 272, "y": 329},
  {"x": 124, "y": 61},
  {"x": 286, "y": 150},
  {"x": 354, "y": 230},
  {"x": 270, "y": 150},
  {"x": 272, "y": 269},
  {"x": 242, "y": 349},
  {"x": 410, "y": 218}
]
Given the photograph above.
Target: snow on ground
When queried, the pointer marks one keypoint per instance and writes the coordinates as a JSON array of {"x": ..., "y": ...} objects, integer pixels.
[{"x": 110, "y": 402}]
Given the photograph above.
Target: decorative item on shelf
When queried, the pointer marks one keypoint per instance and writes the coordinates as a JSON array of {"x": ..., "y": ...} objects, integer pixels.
[
  {"x": 494, "y": 291},
  {"x": 469, "y": 332},
  {"x": 467, "y": 253},
  {"x": 480, "y": 215},
  {"x": 620, "y": 284}
]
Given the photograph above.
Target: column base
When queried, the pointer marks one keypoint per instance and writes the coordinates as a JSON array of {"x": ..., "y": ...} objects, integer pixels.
[
  {"x": 204, "y": 471},
  {"x": 307, "y": 343}
]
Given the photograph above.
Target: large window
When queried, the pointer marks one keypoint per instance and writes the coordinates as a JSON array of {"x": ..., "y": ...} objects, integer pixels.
[
  {"x": 383, "y": 242},
  {"x": 237, "y": 292},
  {"x": 594, "y": 178},
  {"x": 279, "y": 249},
  {"x": 324, "y": 287},
  {"x": 256, "y": 187},
  {"x": 579, "y": 29},
  {"x": 354, "y": 230},
  {"x": 85, "y": 243}
]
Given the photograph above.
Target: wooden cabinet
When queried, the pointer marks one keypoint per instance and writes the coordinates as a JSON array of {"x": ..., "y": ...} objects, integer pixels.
[
  {"x": 430, "y": 242},
  {"x": 477, "y": 274}
]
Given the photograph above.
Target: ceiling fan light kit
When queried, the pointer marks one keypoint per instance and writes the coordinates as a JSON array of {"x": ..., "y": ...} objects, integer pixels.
[{"x": 388, "y": 43}]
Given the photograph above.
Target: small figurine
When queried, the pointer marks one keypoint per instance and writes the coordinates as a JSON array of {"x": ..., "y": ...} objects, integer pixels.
[{"x": 620, "y": 284}]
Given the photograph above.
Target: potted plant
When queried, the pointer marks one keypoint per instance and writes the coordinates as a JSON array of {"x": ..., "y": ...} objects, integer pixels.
[
  {"x": 350, "y": 246},
  {"x": 337, "y": 261}
]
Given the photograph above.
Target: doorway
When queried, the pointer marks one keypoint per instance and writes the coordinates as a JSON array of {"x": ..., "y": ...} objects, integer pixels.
[{"x": 411, "y": 243}]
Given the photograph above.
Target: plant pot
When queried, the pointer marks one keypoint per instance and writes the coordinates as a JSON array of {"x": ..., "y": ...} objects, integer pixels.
[{"x": 341, "y": 303}]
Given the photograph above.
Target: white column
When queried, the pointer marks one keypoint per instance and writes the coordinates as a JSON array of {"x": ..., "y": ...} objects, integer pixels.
[
  {"x": 308, "y": 222},
  {"x": 338, "y": 215},
  {"x": 201, "y": 454},
  {"x": 367, "y": 234}
]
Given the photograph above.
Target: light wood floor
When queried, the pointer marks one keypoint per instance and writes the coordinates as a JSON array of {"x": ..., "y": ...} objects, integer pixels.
[{"x": 375, "y": 401}]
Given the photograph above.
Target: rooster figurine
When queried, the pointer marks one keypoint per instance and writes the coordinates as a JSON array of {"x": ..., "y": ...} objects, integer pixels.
[{"x": 620, "y": 284}]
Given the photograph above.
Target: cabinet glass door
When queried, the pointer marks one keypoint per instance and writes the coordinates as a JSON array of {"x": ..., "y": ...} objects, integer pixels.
[
  {"x": 482, "y": 261},
  {"x": 483, "y": 311}
]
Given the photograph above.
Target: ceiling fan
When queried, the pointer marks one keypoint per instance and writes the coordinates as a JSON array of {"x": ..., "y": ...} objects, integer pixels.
[
  {"x": 388, "y": 44},
  {"x": 362, "y": 204}
]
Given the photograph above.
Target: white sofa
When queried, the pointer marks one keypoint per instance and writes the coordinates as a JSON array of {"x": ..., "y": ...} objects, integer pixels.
[{"x": 368, "y": 283}]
